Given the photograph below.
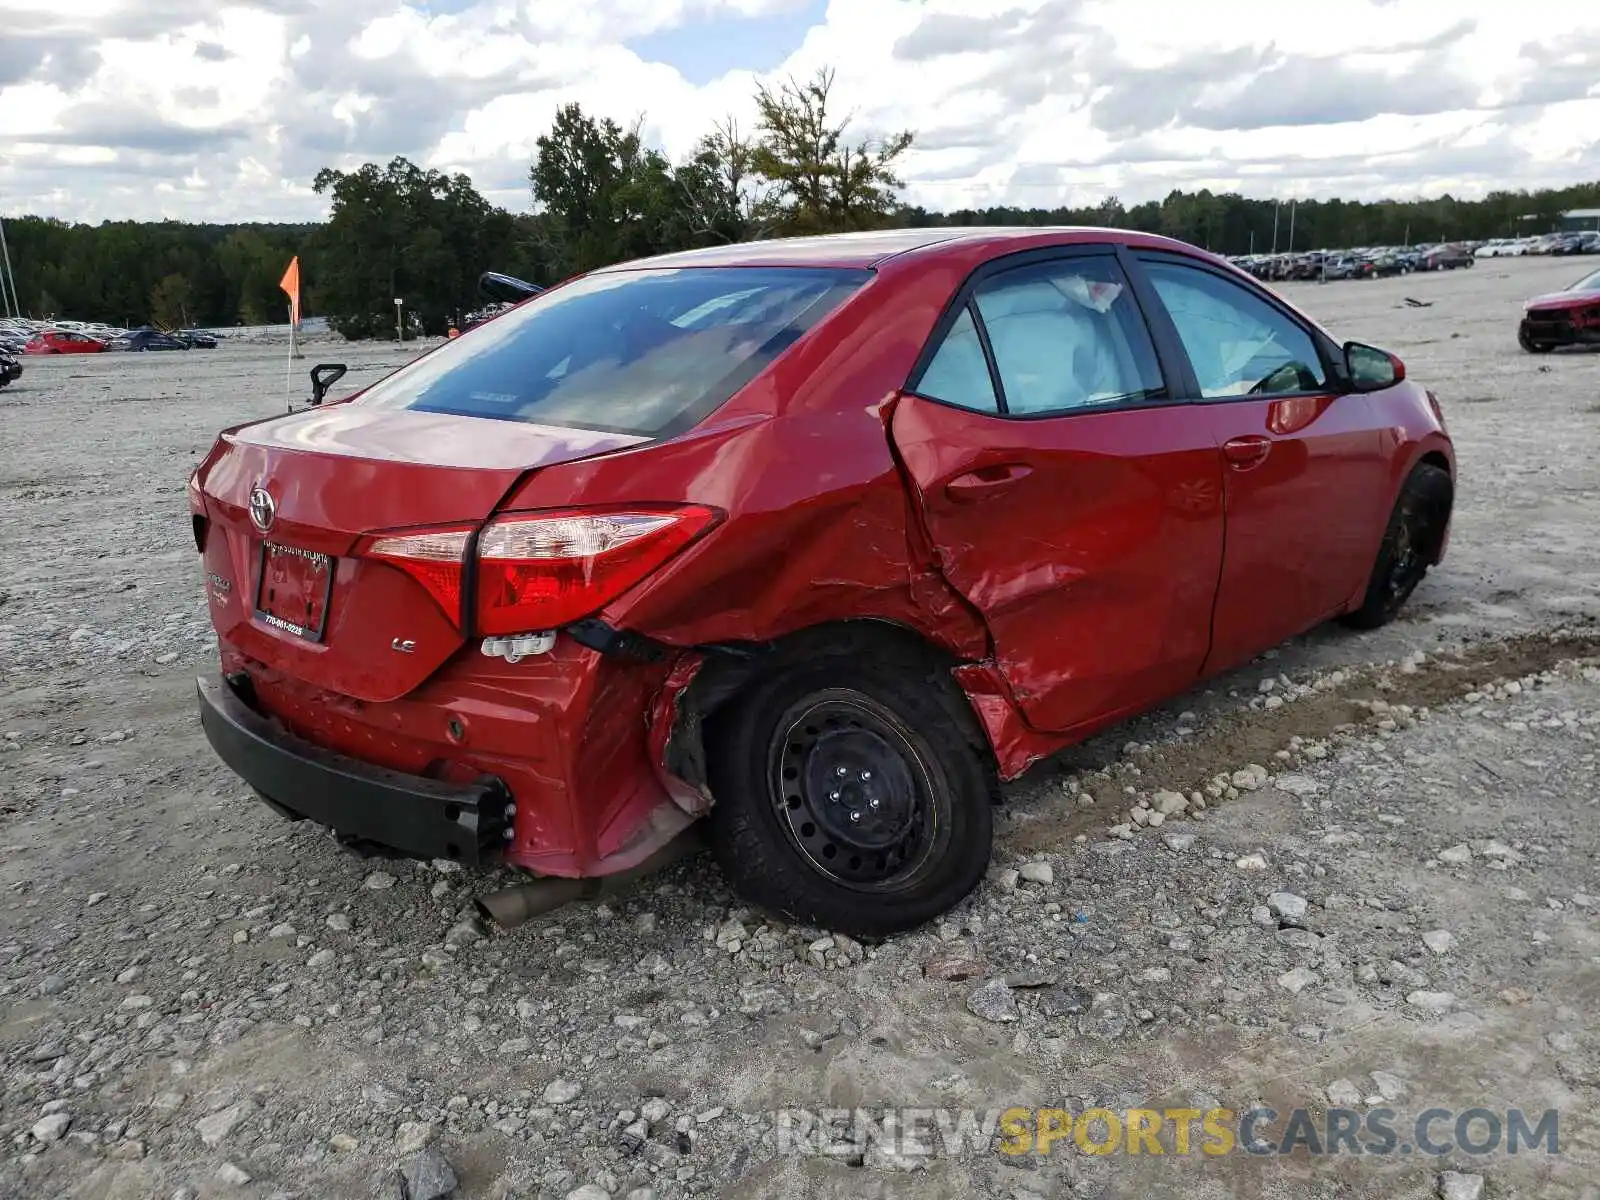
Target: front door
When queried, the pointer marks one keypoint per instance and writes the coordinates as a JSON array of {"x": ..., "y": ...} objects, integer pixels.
[
  {"x": 1305, "y": 473},
  {"x": 1069, "y": 499}
]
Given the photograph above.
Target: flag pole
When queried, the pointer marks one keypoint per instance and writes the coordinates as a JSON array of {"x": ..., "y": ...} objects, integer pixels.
[
  {"x": 290, "y": 286},
  {"x": 288, "y": 367}
]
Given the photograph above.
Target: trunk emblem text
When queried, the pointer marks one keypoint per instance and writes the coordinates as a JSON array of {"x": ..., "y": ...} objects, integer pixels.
[
  {"x": 263, "y": 508},
  {"x": 403, "y": 645}
]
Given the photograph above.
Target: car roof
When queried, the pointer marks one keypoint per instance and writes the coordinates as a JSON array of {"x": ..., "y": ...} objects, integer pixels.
[{"x": 870, "y": 248}]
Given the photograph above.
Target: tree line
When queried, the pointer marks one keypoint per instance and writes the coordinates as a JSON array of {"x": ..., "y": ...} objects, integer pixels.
[{"x": 601, "y": 194}]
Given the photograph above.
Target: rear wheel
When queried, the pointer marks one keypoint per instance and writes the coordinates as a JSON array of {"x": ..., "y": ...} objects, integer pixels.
[
  {"x": 1410, "y": 544},
  {"x": 852, "y": 794}
]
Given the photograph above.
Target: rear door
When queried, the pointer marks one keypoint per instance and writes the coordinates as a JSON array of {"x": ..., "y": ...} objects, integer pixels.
[
  {"x": 1305, "y": 465},
  {"x": 1071, "y": 499}
]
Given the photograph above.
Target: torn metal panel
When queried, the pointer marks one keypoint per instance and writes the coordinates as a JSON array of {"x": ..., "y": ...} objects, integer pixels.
[
  {"x": 1016, "y": 746},
  {"x": 677, "y": 750}
]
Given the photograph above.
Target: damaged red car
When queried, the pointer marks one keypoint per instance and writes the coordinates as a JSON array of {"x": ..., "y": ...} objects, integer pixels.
[
  {"x": 815, "y": 541},
  {"x": 1566, "y": 318}
]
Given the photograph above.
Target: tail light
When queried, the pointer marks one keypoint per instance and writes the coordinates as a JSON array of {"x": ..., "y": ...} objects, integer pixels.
[
  {"x": 540, "y": 571},
  {"x": 197, "y": 512},
  {"x": 433, "y": 557},
  {"x": 546, "y": 570}
]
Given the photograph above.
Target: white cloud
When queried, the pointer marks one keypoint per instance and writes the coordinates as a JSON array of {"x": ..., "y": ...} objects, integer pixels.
[{"x": 144, "y": 108}]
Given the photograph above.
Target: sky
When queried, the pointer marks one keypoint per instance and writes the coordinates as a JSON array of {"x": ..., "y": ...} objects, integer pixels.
[{"x": 141, "y": 109}]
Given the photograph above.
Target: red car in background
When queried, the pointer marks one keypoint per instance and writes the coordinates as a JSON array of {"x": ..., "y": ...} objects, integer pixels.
[
  {"x": 816, "y": 539},
  {"x": 1566, "y": 318},
  {"x": 62, "y": 341}
]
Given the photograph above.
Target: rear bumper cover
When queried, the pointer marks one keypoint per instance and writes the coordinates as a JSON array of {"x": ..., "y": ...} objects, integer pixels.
[{"x": 409, "y": 815}]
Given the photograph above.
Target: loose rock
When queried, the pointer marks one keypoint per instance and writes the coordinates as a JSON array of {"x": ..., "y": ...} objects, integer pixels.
[
  {"x": 993, "y": 1002},
  {"x": 1456, "y": 1185},
  {"x": 429, "y": 1176}
]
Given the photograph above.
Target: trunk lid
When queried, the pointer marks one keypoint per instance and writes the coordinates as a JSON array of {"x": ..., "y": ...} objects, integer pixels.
[{"x": 335, "y": 475}]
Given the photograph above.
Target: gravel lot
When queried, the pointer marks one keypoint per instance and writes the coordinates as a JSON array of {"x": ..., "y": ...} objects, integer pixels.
[{"x": 197, "y": 999}]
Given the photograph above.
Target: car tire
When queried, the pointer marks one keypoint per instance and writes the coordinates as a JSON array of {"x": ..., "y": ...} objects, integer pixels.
[
  {"x": 907, "y": 832},
  {"x": 1531, "y": 346},
  {"x": 1410, "y": 544}
]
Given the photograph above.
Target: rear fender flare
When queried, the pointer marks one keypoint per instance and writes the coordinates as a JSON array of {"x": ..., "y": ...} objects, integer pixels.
[{"x": 706, "y": 678}]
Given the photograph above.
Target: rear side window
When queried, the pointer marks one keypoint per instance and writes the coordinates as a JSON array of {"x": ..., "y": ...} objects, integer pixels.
[
  {"x": 958, "y": 373},
  {"x": 646, "y": 352},
  {"x": 1065, "y": 334}
]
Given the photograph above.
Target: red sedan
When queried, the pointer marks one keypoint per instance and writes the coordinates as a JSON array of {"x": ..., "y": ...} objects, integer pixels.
[
  {"x": 817, "y": 539},
  {"x": 1565, "y": 318},
  {"x": 62, "y": 341}
]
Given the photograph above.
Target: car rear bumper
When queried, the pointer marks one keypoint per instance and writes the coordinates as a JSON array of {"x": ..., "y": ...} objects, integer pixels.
[{"x": 409, "y": 815}]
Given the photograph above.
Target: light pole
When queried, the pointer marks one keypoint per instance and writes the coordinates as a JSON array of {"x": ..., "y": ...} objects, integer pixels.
[
  {"x": 7, "y": 279},
  {"x": 399, "y": 323},
  {"x": 1276, "y": 205}
]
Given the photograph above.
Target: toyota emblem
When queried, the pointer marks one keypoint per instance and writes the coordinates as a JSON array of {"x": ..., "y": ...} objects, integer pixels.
[{"x": 263, "y": 508}]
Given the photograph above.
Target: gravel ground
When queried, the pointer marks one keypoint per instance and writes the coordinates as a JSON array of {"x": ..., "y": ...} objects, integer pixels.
[{"x": 1370, "y": 879}]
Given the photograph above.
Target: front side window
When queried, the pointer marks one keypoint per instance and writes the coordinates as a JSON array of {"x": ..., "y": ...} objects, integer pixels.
[
  {"x": 647, "y": 352},
  {"x": 1238, "y": 344}
]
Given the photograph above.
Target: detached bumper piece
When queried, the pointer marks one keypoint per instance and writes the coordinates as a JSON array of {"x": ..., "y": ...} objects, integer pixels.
[{"x": 408, "y": 815}]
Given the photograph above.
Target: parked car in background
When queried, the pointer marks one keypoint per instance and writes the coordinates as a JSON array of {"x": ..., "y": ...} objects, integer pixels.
[
  {"x": 147, "y": 339},
  {"x": 1387, "y": 265},
  {"x": 197, "y": 339},
  {"x": 534, "y": 600},
  {"x": 1565, "y": 318},
  {"x": 1347, "y": 266},
  {"x": 1446, "y": 258},
  {"x": 63, "y": 341},
  {"x": 10, "y": 368}
]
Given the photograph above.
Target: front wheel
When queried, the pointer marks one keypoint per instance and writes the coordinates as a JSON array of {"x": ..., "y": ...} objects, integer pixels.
[
  {"x": 1531, "y": 346},
  {"x": 1410, "y": 545},
  {"x": 852, "y": 793}
]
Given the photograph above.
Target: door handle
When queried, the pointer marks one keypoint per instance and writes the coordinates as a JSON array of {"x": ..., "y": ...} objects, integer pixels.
[
  {"x": 1246, "y": 452},
  {"x": 985, "y": 481}
]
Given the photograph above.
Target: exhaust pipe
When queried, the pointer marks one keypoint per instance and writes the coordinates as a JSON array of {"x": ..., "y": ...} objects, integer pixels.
[{"x": 512, "y": 906}]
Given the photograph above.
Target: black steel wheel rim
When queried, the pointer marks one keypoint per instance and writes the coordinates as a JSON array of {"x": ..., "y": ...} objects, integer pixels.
[
  {"x": 1405, "y": 564},
  {"x": 853, "y": 793}
]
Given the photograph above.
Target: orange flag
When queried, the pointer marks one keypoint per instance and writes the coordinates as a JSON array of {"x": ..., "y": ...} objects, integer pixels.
[{"x": 290, "y": 283}]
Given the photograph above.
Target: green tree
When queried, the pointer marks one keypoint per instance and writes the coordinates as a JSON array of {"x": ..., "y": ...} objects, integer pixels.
[
  {"x": 605, "y": 194},
  {"x": 399, "y": 231},
  {"x": 720, "y": 197},
  {"x": 820, "y": 182},
  {"x": 169, "y": 301}
]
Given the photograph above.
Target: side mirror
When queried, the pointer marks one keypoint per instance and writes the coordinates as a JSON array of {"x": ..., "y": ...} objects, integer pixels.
[
  {"x": 323, "y": 377},
  {"x": 1370, "y": 369}
]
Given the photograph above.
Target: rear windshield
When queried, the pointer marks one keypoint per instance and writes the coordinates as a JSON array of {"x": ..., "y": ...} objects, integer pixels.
[{"x": 644, "y": 352}]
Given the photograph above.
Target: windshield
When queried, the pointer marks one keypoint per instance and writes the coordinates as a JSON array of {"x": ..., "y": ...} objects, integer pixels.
[
  {"x": 643, "y": 352},
  {"x": 1589, "y": 283}
]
